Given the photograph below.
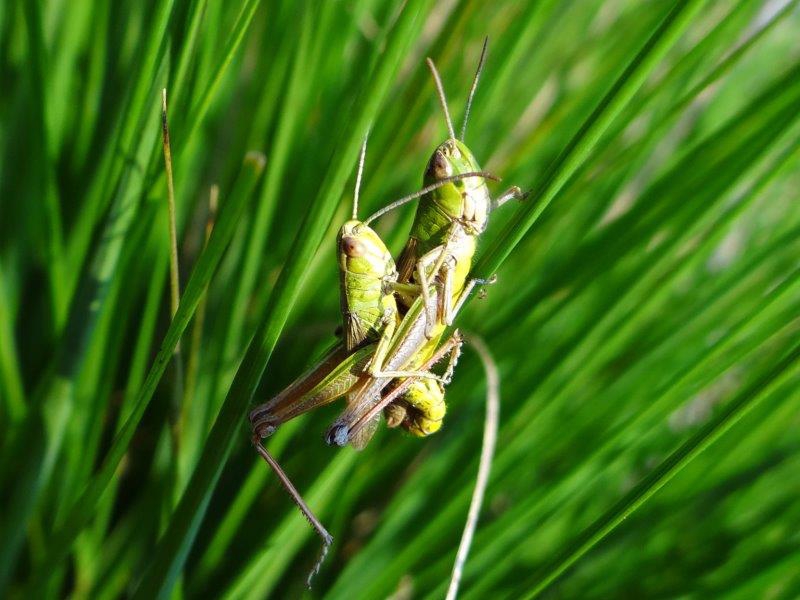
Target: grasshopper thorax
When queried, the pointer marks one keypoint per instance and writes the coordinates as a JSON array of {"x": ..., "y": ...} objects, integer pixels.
[
  {"x": 466, "y": 200},
  {"x": 366, "y": 271}
]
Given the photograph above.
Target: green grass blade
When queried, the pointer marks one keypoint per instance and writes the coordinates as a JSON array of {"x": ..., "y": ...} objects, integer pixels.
[
  {"x": 14, "y": 401},
  {"x": 734, "y": 410},
  {"x": 83, "y": 510},
  {"x": 654, "y": 280},
  {"x": 581, "y": 144},
  {"x": 176, "y": 541},
  {"x": 43, "y": 96}
]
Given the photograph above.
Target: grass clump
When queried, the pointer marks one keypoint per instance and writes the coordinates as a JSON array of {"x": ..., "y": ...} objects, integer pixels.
[{"x": 644, "y": 320}]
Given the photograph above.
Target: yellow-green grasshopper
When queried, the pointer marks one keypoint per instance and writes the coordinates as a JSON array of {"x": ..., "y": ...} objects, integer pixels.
[
  {"x": 433, "y": 268},
  {"x": 367, "y": 279}
]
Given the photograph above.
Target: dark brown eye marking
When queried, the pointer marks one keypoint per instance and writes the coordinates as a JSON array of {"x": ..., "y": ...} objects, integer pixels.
[
  {"x": 352, "y": 247},
  {"x": 437, "y": 166}
]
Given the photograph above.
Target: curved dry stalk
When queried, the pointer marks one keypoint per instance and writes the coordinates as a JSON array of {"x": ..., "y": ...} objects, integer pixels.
[
  {"x": 174, "y": 279},
  {"x": 490, "y": 426}
]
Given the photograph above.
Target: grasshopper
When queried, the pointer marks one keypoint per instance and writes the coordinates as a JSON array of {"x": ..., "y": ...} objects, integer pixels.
[
  {"x": 433, "y": 279},
  {"x": 368, "y": 278},
  {"x": 367, "y": 282}
]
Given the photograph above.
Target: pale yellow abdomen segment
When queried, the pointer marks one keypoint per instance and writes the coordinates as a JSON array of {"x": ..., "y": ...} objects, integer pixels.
[{"x": 426, "y": 408}]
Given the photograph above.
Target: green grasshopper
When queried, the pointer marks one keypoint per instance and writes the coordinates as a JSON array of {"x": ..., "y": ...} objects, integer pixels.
[
  {"x": 367, "y": 279},
  {"x": 361, "y": 367},
  {"x": 433, "y": 281}
]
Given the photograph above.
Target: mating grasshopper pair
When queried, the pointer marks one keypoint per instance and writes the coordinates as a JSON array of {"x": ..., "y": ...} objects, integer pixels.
[{"x": 395, "y": 315}]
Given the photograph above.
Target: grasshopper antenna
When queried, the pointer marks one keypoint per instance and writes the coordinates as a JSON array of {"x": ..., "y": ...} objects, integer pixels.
[
  {"x": 487, "y": 454},
  {"x": 442, "y": 98},
  {"x": 327, "y": 538},
  {"x": 474, "y": 87},
  {"x": 428, "y": 188},
  {"x": 360, "y": 172}
]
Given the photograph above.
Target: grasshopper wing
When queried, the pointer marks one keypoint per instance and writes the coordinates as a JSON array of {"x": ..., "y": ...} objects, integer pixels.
[
  {"x": 360, "y": 440},
  {"x": 354, "y": 331},
  {"x": 355, "y": 408},
  {"x": 329, "y": 379},
  {"x": 408, "y": 260}
]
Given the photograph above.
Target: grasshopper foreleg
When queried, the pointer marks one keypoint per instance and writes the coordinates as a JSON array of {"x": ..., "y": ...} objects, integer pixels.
[
  {"x": 429, "y": 267},
  {"x": 512, "y": 193},
  {"x": 462, "y": 298},
  {"x": 446, "y": 310}
]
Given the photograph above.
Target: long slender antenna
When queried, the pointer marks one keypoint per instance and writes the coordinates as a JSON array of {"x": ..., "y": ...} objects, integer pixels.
[
  {"x": 490, "y": 425},
  {"x": 358, "y": 176},
  {"x": 474, "y": 87},
  {"x": 428, "y": 188},
  {"x": 326, "y": 537},
  {"x": 442, "y": 98}
]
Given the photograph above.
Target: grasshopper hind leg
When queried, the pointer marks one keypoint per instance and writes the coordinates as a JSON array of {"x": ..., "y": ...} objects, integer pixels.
[{"x": 316, "y": 524}]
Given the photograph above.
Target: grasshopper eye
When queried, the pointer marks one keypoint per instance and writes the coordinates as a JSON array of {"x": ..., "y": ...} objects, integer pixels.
[
  {"x": 352, "y": 247},
  {"x": 438, "y": 167}
]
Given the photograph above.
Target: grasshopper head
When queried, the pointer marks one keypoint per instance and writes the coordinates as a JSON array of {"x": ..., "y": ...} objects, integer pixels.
[
  {"x": 362, "y": 251},
  {"x": 467, "y": 199}
]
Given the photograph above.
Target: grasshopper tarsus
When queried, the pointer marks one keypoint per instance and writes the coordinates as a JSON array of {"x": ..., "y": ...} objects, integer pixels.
[
  {"x": 482, "y": 292},
  {"x": 323, "y": 554}
]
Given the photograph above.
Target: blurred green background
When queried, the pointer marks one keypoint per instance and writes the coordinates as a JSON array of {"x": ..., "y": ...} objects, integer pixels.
[{"x": 645, "y": 320}]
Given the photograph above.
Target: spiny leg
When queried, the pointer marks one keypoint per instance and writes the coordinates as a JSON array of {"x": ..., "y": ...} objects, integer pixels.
[
  {"x": 452, "y": 361},
  {"x": 462, "y": 298},
  {"x": 427, "y": 275},
  {"x": 327, "y": 538},
  {"x": 374, "y": 367}
]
